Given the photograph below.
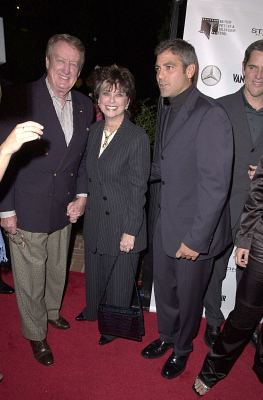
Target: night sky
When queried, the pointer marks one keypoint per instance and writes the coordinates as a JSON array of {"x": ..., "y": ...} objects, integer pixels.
[{"x": 121, "y": 31}]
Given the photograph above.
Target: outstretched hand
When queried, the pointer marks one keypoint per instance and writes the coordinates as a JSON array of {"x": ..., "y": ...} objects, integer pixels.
[{"x": 22, "y": 133}]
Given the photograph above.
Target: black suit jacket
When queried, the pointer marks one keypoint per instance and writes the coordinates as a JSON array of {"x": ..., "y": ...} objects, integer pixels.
[
  {"x": 250, "y": 234},
  {"x": 116, "y": 187},
  {"x": 246, "y": 153},
  {"x": 45, "y": 175},
  {"x": 194, "y": 163}
]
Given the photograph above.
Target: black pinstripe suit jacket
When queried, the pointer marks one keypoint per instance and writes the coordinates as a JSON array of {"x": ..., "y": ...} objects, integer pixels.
[{"x": 116, "y": 187}]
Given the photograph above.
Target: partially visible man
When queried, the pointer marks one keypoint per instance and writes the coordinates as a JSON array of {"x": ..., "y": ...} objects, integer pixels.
[
  {"x": 21, "y": 134},
  {"x": 40, "y": 196},
  {"x": 4, "y": 287},
  {"x": 194, "y": 163},
  {"x": 245, "y": 111}
]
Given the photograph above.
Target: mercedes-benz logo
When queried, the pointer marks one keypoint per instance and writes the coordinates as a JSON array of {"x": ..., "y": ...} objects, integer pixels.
[{"x": 211, "y": 75}]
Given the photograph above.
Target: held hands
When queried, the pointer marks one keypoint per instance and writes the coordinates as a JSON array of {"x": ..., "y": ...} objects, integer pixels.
[
  {"x": 127, "y": 242},
  {"x": 241, "y": 257},
  {"x": 186, "y": 252},
  {"x": 76, "y": 209},
  {"x": 22, "y": 133}
]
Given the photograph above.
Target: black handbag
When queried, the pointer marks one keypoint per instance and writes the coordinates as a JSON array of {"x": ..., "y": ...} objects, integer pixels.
[{"x": 125, "y": 322}]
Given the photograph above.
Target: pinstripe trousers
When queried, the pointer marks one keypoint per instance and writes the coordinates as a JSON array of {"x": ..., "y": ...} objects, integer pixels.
[
  {"x": 120, "y": 288},
  {"x": 39, "y": 262}
]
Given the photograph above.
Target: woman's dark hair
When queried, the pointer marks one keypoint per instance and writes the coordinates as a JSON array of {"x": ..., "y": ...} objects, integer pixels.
[{"x": 112, "y": 76}]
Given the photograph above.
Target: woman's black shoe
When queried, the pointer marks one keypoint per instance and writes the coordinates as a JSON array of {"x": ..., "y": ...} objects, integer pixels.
[
  {"x": 80, "y": 317},
  {"x": 106, "y": 339}
]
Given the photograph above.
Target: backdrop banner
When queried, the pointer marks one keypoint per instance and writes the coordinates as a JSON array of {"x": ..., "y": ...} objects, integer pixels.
[{"x": 220, "y": 31}]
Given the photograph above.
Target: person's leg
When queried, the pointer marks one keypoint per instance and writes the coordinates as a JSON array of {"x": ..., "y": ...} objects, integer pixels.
[
  {"x": 191, "y": 282},
  {"x": 95, "y": 283},
  {"x": 237, "y": 330},
  {"x": 28, "y": 256},
  {"x": 56, "y": 270},
  {"x": 258, "y": 359},
  {"x": 167, "y": 305},
  {"x": 121, "y": 283},
  {"x": 165, "y": 299},
  {"x": 213, "y": 297}
]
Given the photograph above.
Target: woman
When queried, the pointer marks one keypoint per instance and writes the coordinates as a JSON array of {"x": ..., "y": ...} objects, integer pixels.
[
  {"x": 22, "y": 133},
  {"x": 118, "y": 163},
  {"x": 248, "y": 310}
]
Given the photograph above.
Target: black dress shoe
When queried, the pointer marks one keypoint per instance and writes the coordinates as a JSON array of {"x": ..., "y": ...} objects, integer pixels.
[
  {"x": 174, "y": 366},
  {"x": 59, "y": 323},
  {"x": 80, "y": 317},
  {"x": 106, "y": 339},
  {"x": 42, "y": 352},
  {"x": 5, "y": 288},
  {"x": 156, "y": 349},
  {"x": 211, "y": 334}
]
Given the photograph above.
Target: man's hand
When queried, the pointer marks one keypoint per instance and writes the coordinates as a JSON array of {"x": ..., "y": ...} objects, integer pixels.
[
  {"x": 251, "y": 171},
  {"x": 186, "y": 252},
  {"x": 9, "y": 224},
  {"x": 241, "y": 257},
  {"x": 76, "y": 209}
]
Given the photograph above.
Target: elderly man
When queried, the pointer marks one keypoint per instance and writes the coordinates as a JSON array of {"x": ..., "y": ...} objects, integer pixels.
[{"x": 44, "y": 188}]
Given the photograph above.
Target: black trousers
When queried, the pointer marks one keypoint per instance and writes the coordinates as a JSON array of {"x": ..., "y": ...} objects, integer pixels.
[
  {"x": 121, "y": 284},
  {"x": 179, "y": 287},
  {"x": 213, "y": 296},
  {"x": 238, "y": 328}
]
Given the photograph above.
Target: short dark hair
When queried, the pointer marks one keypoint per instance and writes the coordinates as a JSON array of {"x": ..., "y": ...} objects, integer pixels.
[
  {"x": 255, "y": 46},
  {"x": 181, "y": 48},
  {"x": 71, "y": 40},
  {"x": 114, "y": 75}
]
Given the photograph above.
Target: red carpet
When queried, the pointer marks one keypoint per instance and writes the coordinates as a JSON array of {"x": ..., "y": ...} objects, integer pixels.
[{"x": 84, "y": 370}]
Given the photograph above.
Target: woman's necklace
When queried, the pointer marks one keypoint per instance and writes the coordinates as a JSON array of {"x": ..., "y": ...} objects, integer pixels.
[{"x": 107, "y": 134}]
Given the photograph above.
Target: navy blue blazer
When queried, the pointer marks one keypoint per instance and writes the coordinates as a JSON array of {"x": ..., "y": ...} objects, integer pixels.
[
  {"x": 194, "y": 163},
  {"x": 45, "y": 175}
]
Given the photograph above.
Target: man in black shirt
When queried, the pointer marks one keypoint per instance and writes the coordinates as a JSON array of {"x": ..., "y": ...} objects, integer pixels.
[{"x": 245, "y": 111}]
